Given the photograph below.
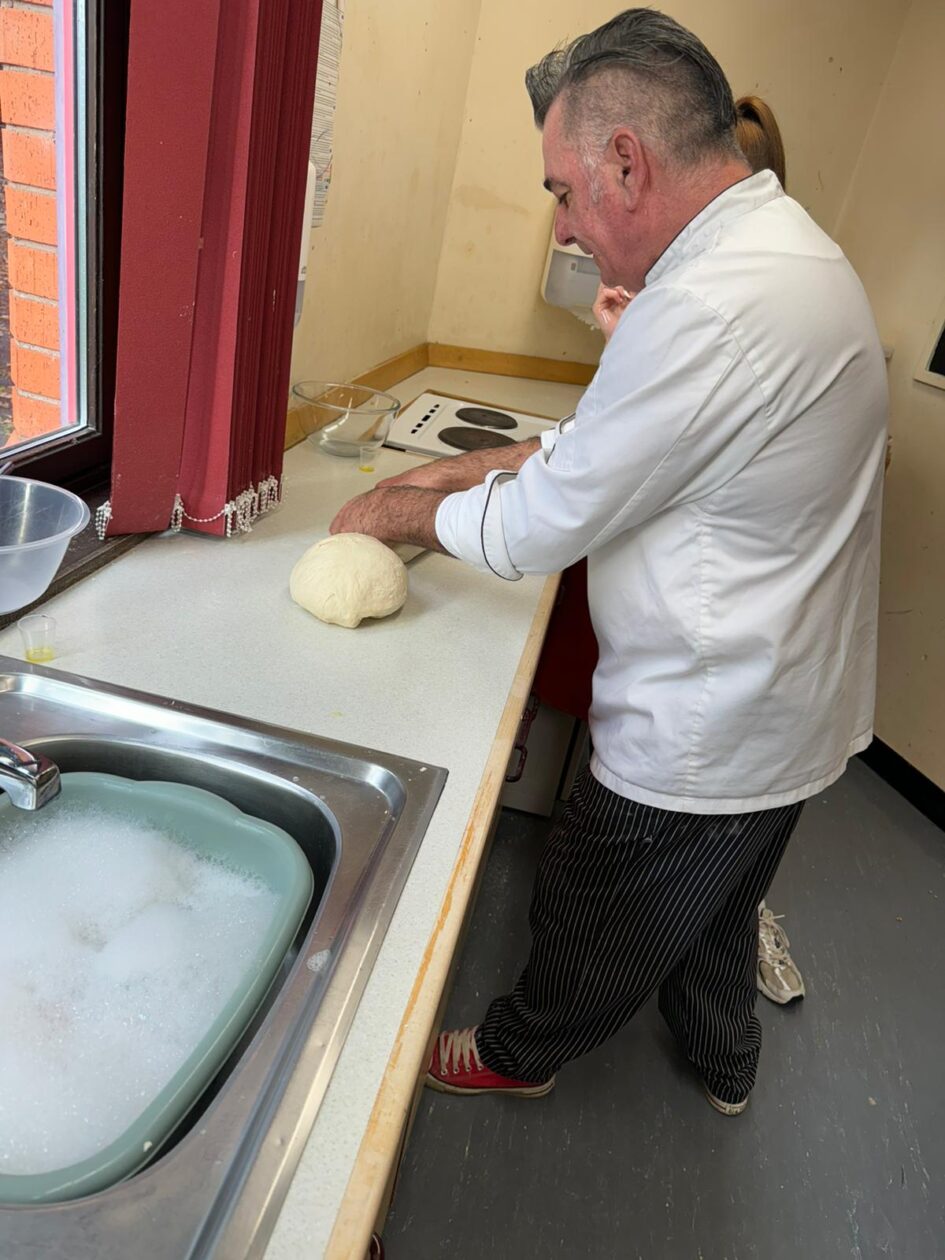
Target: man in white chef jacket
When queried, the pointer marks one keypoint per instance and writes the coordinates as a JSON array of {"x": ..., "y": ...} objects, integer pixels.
[{"x": 723, "y": 476}]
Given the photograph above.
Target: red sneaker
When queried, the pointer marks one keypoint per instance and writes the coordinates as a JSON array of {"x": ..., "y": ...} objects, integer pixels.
[{"x": 456, "y": 1068}]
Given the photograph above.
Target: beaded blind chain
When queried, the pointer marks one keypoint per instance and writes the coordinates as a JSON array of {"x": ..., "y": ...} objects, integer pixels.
[{"x": 239, "y": 513}]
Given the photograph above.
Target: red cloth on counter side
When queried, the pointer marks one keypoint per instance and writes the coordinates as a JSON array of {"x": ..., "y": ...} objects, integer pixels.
[{"x": 569, "y": 655}]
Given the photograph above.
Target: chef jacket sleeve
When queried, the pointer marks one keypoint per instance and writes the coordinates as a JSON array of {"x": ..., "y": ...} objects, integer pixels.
[{"x": 673, "y": 412}]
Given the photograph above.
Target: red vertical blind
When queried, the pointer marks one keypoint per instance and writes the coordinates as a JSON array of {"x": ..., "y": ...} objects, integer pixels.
[{"x": 215, "y": 170}]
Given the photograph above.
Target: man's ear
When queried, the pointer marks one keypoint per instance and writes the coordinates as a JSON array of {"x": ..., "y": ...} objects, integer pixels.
[{"x": 628, "y": 157}]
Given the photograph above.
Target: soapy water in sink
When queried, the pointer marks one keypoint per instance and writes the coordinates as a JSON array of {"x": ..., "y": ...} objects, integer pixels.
[{"x": 118, "y": 949}]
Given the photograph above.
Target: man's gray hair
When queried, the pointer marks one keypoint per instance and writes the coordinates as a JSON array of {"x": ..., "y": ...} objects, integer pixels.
[{"x": 643, "y": 70}]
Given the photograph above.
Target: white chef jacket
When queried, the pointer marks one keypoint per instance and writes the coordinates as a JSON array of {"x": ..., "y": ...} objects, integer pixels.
[{"x": 723, "y": 475}]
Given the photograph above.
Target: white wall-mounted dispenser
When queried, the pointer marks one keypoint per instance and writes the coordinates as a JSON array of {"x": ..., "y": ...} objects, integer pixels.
[
  {"x": 310, "y": 186},
  {"x": 570, "y": 280}
]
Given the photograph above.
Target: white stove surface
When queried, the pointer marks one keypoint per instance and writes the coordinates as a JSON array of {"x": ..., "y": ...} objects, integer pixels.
[{"x": 418, "y": 427}]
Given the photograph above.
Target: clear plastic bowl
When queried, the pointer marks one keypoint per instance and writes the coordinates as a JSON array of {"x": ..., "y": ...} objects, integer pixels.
[
  {"x": 341, "y": 419},
  {"x": 36, "y": 523}
]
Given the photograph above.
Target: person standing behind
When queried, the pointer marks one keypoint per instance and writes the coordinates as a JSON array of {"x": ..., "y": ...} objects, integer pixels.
[{"x": 759, "y": 138}]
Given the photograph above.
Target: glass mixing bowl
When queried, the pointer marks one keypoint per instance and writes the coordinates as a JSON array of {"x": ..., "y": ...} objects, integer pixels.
[{"x": 343, "y": 419}]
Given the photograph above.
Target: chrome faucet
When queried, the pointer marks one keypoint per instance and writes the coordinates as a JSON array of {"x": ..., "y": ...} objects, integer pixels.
[{"x": 29, "y": 779}]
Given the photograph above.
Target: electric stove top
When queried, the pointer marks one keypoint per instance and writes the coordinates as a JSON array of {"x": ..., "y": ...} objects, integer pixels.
[{"x": 436, "y": 425}]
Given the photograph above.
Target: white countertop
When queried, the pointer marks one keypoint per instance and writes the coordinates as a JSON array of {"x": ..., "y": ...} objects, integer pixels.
[{"x": 210, "y": 622}]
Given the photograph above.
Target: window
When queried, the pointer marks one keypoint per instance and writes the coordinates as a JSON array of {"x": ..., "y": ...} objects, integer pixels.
[{"x": 61, "y": 83}]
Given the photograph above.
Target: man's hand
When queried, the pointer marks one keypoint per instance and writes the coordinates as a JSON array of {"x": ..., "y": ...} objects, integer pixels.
[
  {"x": 399, "y": 514},
  {"x": 609, "y": 305}
]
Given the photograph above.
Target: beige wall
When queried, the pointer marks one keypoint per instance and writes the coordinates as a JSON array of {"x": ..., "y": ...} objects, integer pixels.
[
  {"x": 373, "y": 263},
  {"x": 437, "y": 225},
  {"x": 893, "y": 230},
  {"x": 821, "y": 66}
]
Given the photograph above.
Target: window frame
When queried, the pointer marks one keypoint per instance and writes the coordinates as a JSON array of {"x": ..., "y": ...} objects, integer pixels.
[{"x": 81, "y": 460}]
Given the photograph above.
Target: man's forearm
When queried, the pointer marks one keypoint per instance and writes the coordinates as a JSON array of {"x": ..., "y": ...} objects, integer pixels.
[
  {"x": 461, "y": 472},
  {"x": 399, "y": 514},
  {"x": 473, "y": 466}
]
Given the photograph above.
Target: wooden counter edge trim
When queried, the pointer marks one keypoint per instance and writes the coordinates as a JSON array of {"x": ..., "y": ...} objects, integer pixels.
[
  {"x": 379, "y": 1148},
  {"x": 499, "y": 363}
]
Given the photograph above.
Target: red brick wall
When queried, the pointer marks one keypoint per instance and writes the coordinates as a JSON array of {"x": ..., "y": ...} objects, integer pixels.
[{"x": 27, "y": 118}]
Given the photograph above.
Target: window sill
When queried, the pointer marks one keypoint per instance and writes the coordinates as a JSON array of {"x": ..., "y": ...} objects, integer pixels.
[{"x": 84, "y": 556}]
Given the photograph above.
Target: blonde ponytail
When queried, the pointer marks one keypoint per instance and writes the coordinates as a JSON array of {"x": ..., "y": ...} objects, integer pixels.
[{"x": 759, "y": 136}]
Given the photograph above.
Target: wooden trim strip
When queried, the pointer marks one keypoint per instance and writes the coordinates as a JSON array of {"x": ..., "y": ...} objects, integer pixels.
[
  {"x": 501, "y": 364},
  {"x": 397, "y": 369},
  {"x": 380, "y": 1145},
  {"x": 294, "y": 433}
]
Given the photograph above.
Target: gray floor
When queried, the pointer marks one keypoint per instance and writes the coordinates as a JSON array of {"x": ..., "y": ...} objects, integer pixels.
[{"x": 842, "y": 1150}]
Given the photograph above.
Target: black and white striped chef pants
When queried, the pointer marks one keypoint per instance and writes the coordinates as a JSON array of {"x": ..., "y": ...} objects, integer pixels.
[{"x": 628, "y": 898}]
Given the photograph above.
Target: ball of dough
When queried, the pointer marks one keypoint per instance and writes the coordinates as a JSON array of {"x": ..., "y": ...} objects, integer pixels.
[{"x": 348, "y": 577}]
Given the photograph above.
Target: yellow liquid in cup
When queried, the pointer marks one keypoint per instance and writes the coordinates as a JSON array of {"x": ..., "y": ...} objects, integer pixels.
[{"x": 40, "y": 655}]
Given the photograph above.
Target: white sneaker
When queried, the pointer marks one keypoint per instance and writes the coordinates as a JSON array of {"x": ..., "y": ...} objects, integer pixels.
[
  {"x": 726, "y": 1109},
  {"x": 778, "y": 976}
]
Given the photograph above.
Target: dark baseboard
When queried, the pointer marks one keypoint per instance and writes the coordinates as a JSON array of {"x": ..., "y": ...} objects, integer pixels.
[{"x": 919, "y": 791}]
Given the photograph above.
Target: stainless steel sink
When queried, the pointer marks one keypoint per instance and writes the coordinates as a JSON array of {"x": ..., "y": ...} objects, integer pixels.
[{"x": 359, "y": 816}]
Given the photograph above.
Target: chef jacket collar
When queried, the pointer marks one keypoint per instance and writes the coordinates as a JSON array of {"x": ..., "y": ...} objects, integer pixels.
[{"x": 699, "y": 233}]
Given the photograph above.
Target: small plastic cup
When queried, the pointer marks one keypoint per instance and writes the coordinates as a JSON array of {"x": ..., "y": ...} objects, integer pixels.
[
  {"x": 38, "y": 632},
  {"x": 366, "y": 456}
]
